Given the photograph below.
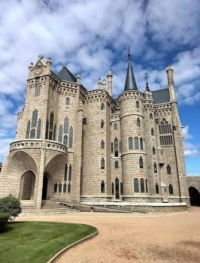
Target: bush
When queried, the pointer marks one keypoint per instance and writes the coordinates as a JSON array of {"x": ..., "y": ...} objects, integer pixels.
[
  {"x": 3, "y": 220},
  {"x": 10, "y": 205}
]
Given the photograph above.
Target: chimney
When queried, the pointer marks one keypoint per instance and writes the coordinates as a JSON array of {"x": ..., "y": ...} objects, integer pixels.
[{"x": 109, "y": 82}]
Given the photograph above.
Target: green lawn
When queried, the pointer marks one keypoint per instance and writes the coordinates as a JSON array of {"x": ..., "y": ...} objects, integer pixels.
[{"x": 37, "y": 242}]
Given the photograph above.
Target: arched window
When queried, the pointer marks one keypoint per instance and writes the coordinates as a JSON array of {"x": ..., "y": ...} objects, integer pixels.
[
  {"x": 155, "y": 168},
  {"x": 102, "y": 123},
  {"x": 65, "y": 140},
  {"x": 142, "y": 185},
  {"x": 136, "y": 142},
  {"x": 69, "y": 188},
  {"x": 152, "y": 131},
  {"x": 151, "y": 116},
  {"x": 51, "y": 120},
  {"x": 65, "y": 174},
  {"x": 171, "y": 192},
  {"x": 153, "y": 150},
  {"x": 141, "y": 144},
  {"x": 115, "y": 126},
  {"x": 116, "y": 164},
  {"x": 28, "y": 126},
  {"x": 102, "y": 144},
  {"x": 34, "y": 118},
  {"x": 138, "y": 122},
  {"x": 112, "y": 188},
  {"x": 137, "y": 105},
  {"x": 60, "y": 134},
  {"x": 116, "y": 147},
  {"x": 50, "y": 135},
  {"x": 102, "y": 187},
  {"x": 102, "y": 163},
  {"x": 169, "y": 171},
  {"x": 136, "y": 185},
  {"x": 112, "y": 147},
  {"x": 146, "y": 186},
  {"x": 67, "y": 101},
  {"x": 130, "y": 143},
  {"x": 60, "y": 188},
  {"x": 37, "y": 88},
  {"x": 157, "y": 189},
  {"x": 102, "y": 106},
  {"x": 70, "y": 137},
  {"x": 55, "y": 188},
  {"x": 121, "y": 188},
  {"x": 64, "y": 188},
  {"x": 54, "y": 132},
  {"x": 32, "y": 134},
  {"x": 39, "y": 128},
  {"x": 141, "y": 162},
  {"x": 66, "y": 125},
  {"x": 47, "y": 130},
  {"x": 70, "y": 173}
]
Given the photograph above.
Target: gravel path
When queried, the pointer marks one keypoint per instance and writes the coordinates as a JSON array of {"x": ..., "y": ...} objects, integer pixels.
[{"x": 125, "y": 238}]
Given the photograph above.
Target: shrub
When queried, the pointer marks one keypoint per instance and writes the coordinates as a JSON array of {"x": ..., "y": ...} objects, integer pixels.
[
  {"x": 11, "y": 205},
  {"x": 3, "y": 220}
]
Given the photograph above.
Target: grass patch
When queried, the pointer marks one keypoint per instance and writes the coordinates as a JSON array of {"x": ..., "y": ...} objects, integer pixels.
[{"x": 38, "y": 241}]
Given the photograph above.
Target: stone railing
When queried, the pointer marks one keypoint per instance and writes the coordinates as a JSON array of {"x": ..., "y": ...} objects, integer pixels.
[{"x": 38, "y": 144}]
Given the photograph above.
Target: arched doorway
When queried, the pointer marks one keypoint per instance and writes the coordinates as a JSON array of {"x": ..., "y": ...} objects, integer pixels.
[
  {"x": 28, "y": 186},
  {"x": 194, "y": 196},
  {"x": 116, "y": 188},
  {"x": 45, "y": 186}
]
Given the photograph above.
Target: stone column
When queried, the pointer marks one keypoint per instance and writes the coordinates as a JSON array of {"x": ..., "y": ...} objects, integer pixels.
[
  {"x": 40, "y": 177},
  {"x": 170, "y": 79},
  {"x": 109, "y": 82}
]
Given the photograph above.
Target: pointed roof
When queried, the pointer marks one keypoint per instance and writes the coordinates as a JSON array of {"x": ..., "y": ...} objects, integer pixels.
[
  {"x": 130, "y": 83},
  {"x": 65, "y": 74}
]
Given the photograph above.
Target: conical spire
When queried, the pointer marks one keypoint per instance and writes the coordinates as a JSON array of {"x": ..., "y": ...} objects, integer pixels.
[{"x": 130, "y": 83}]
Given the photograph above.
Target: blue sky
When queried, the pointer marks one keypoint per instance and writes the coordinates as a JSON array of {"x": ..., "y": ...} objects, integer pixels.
[{"x": 91, "y": 37}]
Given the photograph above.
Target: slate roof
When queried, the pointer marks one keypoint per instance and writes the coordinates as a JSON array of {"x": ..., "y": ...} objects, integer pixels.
[
  {"x": 161, "y": 96},
  {"x": 130, "y": 83},
  {"x": 65, "y": 74}
]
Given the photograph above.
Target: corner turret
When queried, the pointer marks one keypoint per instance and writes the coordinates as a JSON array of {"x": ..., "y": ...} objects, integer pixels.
[{"x": 130, "y": 83}]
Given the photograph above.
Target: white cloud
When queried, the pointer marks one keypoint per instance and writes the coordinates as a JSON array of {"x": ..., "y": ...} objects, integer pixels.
[{"x": 189, "y": 148}]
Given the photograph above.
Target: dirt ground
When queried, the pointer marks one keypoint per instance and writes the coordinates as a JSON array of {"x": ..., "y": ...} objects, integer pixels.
[{"x": 125, "y": 238}]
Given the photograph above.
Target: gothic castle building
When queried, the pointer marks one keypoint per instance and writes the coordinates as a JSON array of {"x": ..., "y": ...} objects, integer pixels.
[{"x": 81, "y": 146}]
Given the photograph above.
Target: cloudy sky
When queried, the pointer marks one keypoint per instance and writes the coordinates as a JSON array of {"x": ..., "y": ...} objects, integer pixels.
[{"x": 91, "y": 37}]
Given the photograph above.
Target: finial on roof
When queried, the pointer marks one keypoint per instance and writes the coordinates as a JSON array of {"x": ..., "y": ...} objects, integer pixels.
[
  {"x": 130, "y": 83},
  {"x": 146, "y": 77}
]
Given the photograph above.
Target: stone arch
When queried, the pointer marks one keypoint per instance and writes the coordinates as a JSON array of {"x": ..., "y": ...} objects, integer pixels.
[
  {"x": 194, "y": 196},
  {"x": 27, "y": 186}
]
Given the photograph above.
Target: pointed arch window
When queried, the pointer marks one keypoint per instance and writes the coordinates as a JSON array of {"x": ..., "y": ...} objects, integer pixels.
[
  {"x": 157, "y": 188},
  {"x": 141, "y": 144},
  {"x": 69, "y": 188},
  {"x": 47, "y": 130},
  {"x": 102, "y": 144},
  {"x": 152, "y": 131},
  {"x": 155, "y": 168},
  {"x": 70, "y": 172},
  {"x": 65, "y": 140},
  {"x": 67, "y": 101},
  {"x": 102, "y": 106},
  {"x": 121, "y": 188},
  {"x": 112, "y": 147},
  {"x": 70, "y": 137},
  {"x": 32, "y": 134},
  {"x": 102, "y": 163},
  {"x": 50, "y": 135},
  {"x": 116, "y": 164},
  {"x": 169, "y": 171},
  {"x": 102, "y": 123},
  {"x": 39, "y": 128},
  {"x": 141, "y": 162},
  {"x": 142, "y": 185},
  {"x": 115, "y": 126},
  {"x": 171, "y": 192},
  {"x": 37, "y": 87},
  {"x": 137, "y": 104},
  {"x": 51, "y": 120},
  {"x": 136, "y": 185},
  {"x": 28, "y": 126},
  {"x": 102, "y": 187},
  {"x": 153, "y": 150},
  {"x": 64, "y": 188},
  {"x": 65, "y": 174},
  {"x": 54, "y": 132},
  {"x": 146, "y": 186},
  {"x": 60, "y": 134},
  {"x": 55, "y": 188},
  {"x": 136, "y": 142},
  {"x": 130, "y": 143},
  {"x": 138, "y": 122},
  {"x": 116, "y": 147},
  {"x": 66, "y": 125},
  {"x": 60, "y": 188},
  {"x": 34, "y": 118},
  {"x": 112, "y": 188}
]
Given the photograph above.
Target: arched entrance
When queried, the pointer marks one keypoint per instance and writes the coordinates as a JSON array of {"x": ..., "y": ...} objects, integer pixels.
[
  {"x": 45, "y": 186},
  {"x": 194, "y": 196},
  {"x": 28, "y": 186}
]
